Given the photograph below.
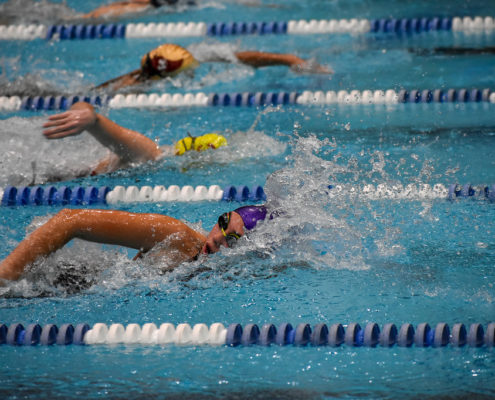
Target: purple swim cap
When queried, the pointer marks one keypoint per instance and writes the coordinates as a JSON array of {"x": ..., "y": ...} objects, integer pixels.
[{"x": 251, "y": 215}]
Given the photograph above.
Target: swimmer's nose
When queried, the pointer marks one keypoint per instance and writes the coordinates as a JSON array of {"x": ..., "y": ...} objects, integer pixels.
[
  {"x": 208, "y": 248},
  {"x": 211, "y": 246},
  {"x": 205, "y": 249}
]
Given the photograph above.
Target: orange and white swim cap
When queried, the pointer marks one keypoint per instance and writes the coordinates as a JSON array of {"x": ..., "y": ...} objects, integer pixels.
[{"x": 168, "y": 59}]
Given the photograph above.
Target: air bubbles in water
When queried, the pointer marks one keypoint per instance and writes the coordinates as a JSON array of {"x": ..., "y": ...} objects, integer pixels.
[{"x": 24, "y": 147}]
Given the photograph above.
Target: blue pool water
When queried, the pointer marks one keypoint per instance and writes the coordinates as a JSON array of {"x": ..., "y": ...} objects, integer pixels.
[{"x": 330, "y": 258}]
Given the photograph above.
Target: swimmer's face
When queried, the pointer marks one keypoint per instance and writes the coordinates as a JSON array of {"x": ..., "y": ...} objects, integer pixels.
[{"x": 217, "y": 238}]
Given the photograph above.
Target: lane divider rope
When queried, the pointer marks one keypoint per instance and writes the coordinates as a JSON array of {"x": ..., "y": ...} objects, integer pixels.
[
  {"x": 235, "y": 334},
  {"x": 415, "y": 191},
  {"x": 250, "y": 99},
  {"x": 93, "y": 195},
  {"x": 475, "y": 24}
]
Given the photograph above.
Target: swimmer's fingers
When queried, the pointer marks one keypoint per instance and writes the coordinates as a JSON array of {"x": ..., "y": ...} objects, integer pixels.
[
  {"x": 58, "y": 117},
  {"x": 63, "y": 129},
  {"x": 59, "y": 135},
  {"x": 56, "y": 120},
  {"x": 69, "y": 123},
  {"x": 311, "y": 67},
  {"x": 321, "y": 69}
]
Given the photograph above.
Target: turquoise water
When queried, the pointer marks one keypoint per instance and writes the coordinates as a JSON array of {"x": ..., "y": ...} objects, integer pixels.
[{"x": 329, "y": 259}]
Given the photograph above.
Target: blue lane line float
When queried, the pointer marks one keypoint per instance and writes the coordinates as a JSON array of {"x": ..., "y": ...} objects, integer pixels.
[
  {"x": 444, "y": 96},
  {"x": 15, "y": 334},
  {"x": 243, "y": 193},
  {"x": 245, "y": 28},
  {"x": 467, "y": 190},
  {"x": 38, "y": 103},
  {"x": 405, "y": 337},
  {"x": 388, "y": 335},
  {"x": 49, "y": 334},
  {"x": 32, "y": 335},
  {"x": 65, "y": 335},
  {"x": 250, "y": 335},
  {"x": 235, "y": 335},
  {"x": 81, "y": 32},
  {"x": 410, "y": 25},
  {"x": 267, "y": 335},
  {"x": 53, "y": 196},
  {"x": 249, "y": 99}
]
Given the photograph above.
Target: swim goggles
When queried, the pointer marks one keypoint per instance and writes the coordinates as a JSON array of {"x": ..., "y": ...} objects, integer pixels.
[{"x": 223, "y": 223}]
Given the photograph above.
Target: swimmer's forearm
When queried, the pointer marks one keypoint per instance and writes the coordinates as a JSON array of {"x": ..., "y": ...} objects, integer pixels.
[
  {"x": 129, "y": 79},
  {"x": 118, "y": 8},
  {"x": 263, "y": 59},
  {"x": 48, "y": 238},
  {"x": 127, "y": 144}
]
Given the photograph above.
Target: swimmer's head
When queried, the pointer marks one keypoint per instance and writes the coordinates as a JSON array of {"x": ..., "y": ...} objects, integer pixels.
[
  {"x": 166, "y": 60},
  {"x": 200, "y": 143},
  {"x": 251, "y": 215},
  {"x": 231, "y": 226}
]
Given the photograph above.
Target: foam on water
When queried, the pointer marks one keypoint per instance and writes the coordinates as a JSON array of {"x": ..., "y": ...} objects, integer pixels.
[
  {"x": 28, "y": 158},
  {"x": 31, "y": 11},
  {"x": 43, "y": 82}
]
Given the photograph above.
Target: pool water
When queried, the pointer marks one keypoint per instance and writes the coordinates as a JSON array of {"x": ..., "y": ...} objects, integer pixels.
[{"x": 331, "y": 257}]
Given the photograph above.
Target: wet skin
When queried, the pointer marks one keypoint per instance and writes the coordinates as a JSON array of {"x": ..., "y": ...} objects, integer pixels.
[{"x": 216, "y": 238}]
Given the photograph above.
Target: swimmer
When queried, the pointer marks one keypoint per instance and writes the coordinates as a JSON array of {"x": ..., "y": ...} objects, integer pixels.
[
  {"x": 178, "y": 242},
  {"x": 127, "y": 146},
  {"x": 169, "y": 60},
  {"x": 454, "y": 51},
  {"x": 122, "y": 8}
]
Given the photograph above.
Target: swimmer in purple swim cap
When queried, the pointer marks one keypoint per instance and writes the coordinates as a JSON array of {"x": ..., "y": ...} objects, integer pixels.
[
  {"x": 231, "y": 226},
  {"x": 177, "y": 241}
]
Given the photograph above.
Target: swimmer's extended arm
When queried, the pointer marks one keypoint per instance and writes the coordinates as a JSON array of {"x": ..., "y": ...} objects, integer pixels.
[
  {"x": 119, "y": 8},
  {"x": 138, "y": 231},
  {"x": 263, "y": 59},
  {"x": 128, "y": 145},
  {"x": 129, "y": 79}
]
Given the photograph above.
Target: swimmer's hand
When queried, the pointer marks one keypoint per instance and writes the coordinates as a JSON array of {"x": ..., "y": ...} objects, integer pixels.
[
  {"x": 70, "y": 123},
  {"x": 310, "y": 67}
]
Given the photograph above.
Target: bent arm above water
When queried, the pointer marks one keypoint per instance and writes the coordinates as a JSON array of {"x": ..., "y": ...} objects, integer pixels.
[
  {"x": 128, "y": 145},
  {"x": 138, "y": 231}
]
